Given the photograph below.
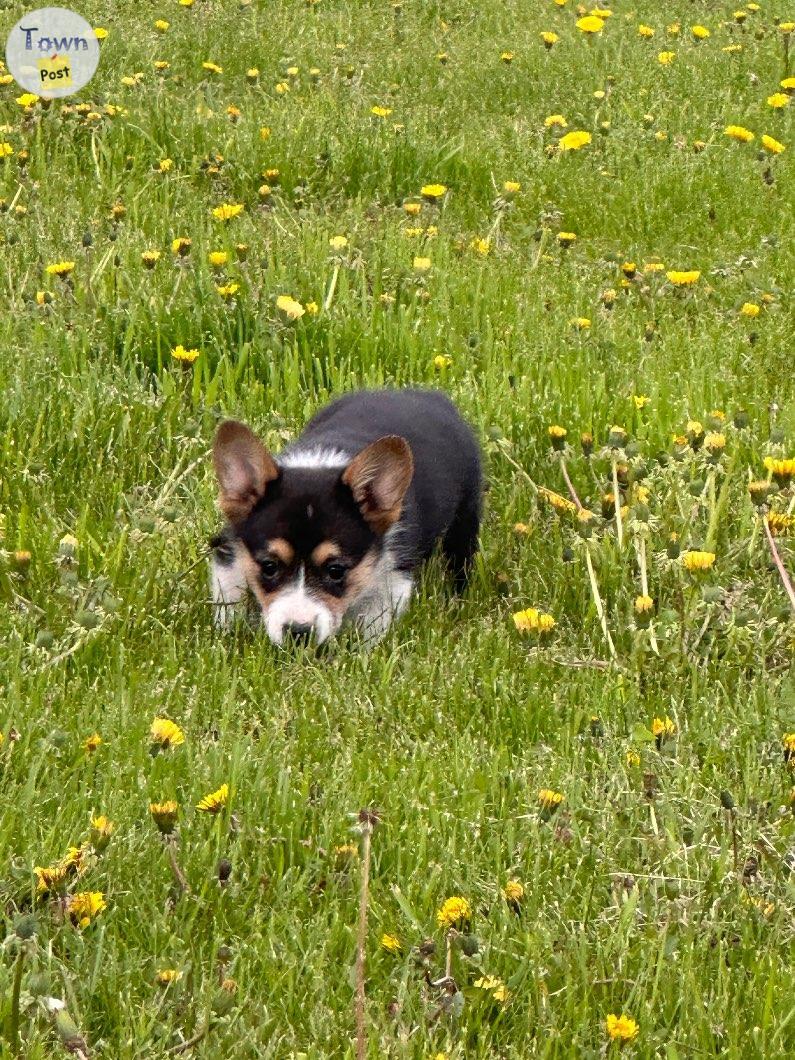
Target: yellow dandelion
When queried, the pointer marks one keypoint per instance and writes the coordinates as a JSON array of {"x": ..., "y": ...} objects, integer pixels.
[
  {"x": 550, "y": 799},
  {"x": 549, "y": 39},
  {"x": 683, "y": 279},
  {"x": 621, "y": 1028},
  {"x": 513, "y": 891},
  {"x": 775, "y": 147},
  {"x": 531, "y": 620},
  {"x": 84, "y": 907},
  {"x": 750, "y": 309},
  {"x": 645, "y": 31},
  {"x": 166, "y": 733},
  {"x": 783, "y": 471},
  {"x": 291, "y": 308},
  {"x": 739, "y": 133},
  {"x": 187, "y": 356},
  {"x": 580, "y": 323},
  {"x": 662, "y": 728},
  {"x": 555, "y": 121},
  {"x": 218, "y": 258},
  {"x": 227, "y": 210},
  {"x": 454, "y": 912},
  {"x": 391, "y": 943},
  {"x": 164, "y": 814},
  {"x": 181, "y": 246},
  {"x": 381, "y": 112},
  {"x": 700, "y": 32},
  {"x": 228, "y": 290},
  {"x": 666, "y": 58},
  {"x": 590, "y": 24},
  {"x": 575, "y": 140},
  {"x": 696, "y": 562},
  {"x": 168, "y": 976},
  {"x": 27, "y": 99},
  {"x": 422, "y": 265},
  {"x": 212, "y": 68},
  {"x": 778, "y": 100},
  {"x": 92, "y": 743},
  {"x": 60, "y": 268},
  {"x": 433, "y": 192},
  {"x": 215, "y": 801}
]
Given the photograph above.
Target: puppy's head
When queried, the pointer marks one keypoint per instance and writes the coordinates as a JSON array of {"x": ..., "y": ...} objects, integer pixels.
[{"x": 311, "y": 536}]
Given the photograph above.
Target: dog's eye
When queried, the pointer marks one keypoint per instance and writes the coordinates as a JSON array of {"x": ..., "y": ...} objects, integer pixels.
[
  {"x": 269, "y": 568},
  {"x": 335, "y": 572}
]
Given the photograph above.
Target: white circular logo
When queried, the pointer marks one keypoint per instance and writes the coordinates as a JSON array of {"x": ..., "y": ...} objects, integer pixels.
[{"x": 52, "y": 52}]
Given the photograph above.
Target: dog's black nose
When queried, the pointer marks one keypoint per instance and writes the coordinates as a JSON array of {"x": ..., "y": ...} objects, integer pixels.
[{"x": 299, "y": 632}]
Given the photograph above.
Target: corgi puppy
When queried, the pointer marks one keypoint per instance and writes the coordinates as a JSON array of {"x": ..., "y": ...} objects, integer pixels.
[{"x": 332, "y": 529}]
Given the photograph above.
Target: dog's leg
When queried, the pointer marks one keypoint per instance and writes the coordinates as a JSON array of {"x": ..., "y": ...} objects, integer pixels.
[
  {"x": 227, "y": 580},
  {"x": 460, "y": 543},
  {"x": 384, "y": 604}
]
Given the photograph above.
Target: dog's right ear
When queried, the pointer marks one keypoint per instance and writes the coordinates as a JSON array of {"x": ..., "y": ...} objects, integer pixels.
[{"x": 244, "y": 468}]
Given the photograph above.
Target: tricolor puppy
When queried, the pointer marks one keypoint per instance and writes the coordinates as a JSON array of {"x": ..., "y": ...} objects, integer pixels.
[{"x": 334, "y": 527}]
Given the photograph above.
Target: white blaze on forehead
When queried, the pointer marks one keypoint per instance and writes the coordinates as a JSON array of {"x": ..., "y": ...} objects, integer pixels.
[
  {"x": 294, "y": 604},
  {"x": 314, "y": 457}
]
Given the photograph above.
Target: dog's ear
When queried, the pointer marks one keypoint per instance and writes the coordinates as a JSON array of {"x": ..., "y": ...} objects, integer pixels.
[
  {"x": 244, "y": 468},
  {"x": 378, "y": 477}
]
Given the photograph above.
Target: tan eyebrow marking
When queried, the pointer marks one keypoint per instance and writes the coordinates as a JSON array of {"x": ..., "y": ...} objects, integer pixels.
[
  {"x": 325, "y": 551},
  {"x": 282, "y": 549}
]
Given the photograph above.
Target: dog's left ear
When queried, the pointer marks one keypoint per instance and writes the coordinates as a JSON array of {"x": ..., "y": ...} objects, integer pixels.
[
  {"x": 244, "y": 468},
  {"x": 378, "y": 477}
]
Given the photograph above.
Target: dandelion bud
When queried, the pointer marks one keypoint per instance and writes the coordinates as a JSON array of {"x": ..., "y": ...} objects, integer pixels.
[
  {"x": 608, "y": 505},
  {"x": 644, "y": 609},
  {"x": 71, "y": 1038},
  {"x": 726, "y": 800},
  {"x": 617, "y": 438},
  {"x": 608, "y": 298},
  {"x": 759, "y": 490},
  {"x": 557, "y": 436},
  {"x": 715, "y": 443},
  {"x": 695, "y": 434},
  {"x": 586, "y": 443},
  {"x": 585, "y": 518},
  {"x": 741, "y": 419},
  {"x": 164, "y": 814},
  {"x": 673, "y": 549}
]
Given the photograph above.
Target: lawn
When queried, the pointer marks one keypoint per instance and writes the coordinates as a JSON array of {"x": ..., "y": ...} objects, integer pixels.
[{"x": 230, "y": 221}]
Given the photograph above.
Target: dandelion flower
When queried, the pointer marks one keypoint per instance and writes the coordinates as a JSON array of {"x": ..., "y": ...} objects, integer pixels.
[
  {"x": 580, "y": 323},
  {"x": 291, "y": 308},
  {"x": 162, "y": 26},
  {"x": 83, "y": 907},
  {"x": 749, "y": 309},
  {"x": 696, "y": 562},
  {"x": 60, "y": 268},
  {"x": 168, "y": 976},
  {"x": 338, "y": 242},
  {"x": 50, "y": 878},
  {"x": 166, "y": 733},
  {"x": 590, "y": 24},
  {"x": 440, "y": 362},
  {"x": 775, "y": 147},
  {"x": 179, "y": 353},
  {"x": 700, "y": 32},
  {"x": 513, "y": 891},
  {"x": 645, "y": 31},
  {"x": 181, "y": 246},
  {"x": 511, "y": 187},
  {"x": 663, "y": 727},
  {"x": 739, "y": 133},
  {"x": 555, "y": 121},
  {"x": 778, "y": 100},
  {"x": 454, "y": 912},
  {"x": 621, "y": 1028},
  {"x": 531, "y": 620},
  {"x": 666, "y": 58},
  {"x": 92, "y": 743},
  {"x": 150, "y": 258},
  {"x": 228, "y": 290},
  {"x": 683, "y": 279},
  {"x": 549, "y": 39},
  {"x": 100, "y": 33},
  {"x": 215, "y": 801},
  {"x": 218, "y": 258},
  {"x": 557, "y": 436},
  {"x": 422, "y": 265},
  {"x": 212, "y": 68},
  {"x": 433, "y": 192},
  {"x": 27, "y": 99},
  {"x": 549, "y": 799},
  {"x": 164, "y": 814},
  {"x": 391, "y": 943},
  {"x": 566, "y": 239},
  {"x": 783, "y": 471},
  {"x": 573, "y": 141},
  {"x": 227, "y": 210}
]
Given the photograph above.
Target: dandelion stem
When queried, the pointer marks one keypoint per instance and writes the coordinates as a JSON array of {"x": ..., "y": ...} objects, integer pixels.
[
  {"x": 331, "y": 287},
  {"x": 644, "y": 586},
  {"x": 785, "y": 578},
  {"x": 569, "y": 485},
  {"x": 179, "y": 875},
  {"x": 517, "y": 465},
  {"x": 597, "y": 599},
  {"x": 361, "y": 940},
  {"x": 13, "y": 1018},
  {"x": 448, "y": 963},
  {"x": 617, "y": 505}
]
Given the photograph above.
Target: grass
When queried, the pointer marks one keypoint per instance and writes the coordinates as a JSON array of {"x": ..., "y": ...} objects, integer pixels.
[{"x": 643, "y": 894}]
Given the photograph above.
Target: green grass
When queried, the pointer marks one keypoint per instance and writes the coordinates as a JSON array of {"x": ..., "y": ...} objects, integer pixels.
[{"x": 450, "y": 727}]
